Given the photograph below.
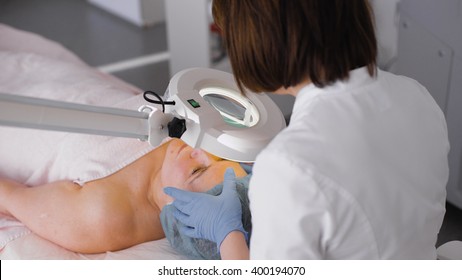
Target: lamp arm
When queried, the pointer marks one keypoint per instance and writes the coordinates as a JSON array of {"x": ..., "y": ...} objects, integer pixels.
[{"x": 37, "y": 113}]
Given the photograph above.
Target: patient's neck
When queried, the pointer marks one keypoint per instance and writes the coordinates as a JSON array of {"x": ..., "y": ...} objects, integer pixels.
[{"x": 155, "y": 193}]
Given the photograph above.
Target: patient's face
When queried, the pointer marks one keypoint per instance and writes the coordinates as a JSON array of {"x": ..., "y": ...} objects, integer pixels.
[{"x": 194, "y": 169}]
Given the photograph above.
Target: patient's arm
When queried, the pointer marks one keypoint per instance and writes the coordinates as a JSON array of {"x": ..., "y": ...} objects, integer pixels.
[{"x": 84, "y": 220}]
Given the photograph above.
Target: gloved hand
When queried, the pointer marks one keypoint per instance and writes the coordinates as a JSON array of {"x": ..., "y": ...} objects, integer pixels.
[
  {"x": 206, "y": 216},
  {"x": 248, "y": 167}
]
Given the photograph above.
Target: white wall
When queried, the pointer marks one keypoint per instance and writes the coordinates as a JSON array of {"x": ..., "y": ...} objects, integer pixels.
[
  {"x": 387, "y": 22},
  {"x": 139, "y": 12}
]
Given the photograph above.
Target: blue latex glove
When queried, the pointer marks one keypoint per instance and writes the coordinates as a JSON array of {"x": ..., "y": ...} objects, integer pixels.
[
  {"x": 248, "y": 167},
  {"x": 206, "y": 216}
]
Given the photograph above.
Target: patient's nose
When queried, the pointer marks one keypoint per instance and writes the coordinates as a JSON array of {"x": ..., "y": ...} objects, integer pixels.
[{"x": 199, "y": 155}]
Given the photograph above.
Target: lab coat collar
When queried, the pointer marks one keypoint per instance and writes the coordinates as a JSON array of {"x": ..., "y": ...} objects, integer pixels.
[{"x": 358, "y": 77}]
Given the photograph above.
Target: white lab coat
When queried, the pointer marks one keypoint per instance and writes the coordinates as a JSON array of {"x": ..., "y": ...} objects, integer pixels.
[{"x": 360, "y": 173}]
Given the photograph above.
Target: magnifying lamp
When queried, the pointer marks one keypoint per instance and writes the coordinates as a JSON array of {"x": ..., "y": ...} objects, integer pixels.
[{"x": 209, "y": 113}]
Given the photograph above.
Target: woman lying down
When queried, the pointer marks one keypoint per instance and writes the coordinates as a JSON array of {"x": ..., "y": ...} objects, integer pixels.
[
  {"x": 86, "y": 193},
  {"x": 119, "y": 210}
]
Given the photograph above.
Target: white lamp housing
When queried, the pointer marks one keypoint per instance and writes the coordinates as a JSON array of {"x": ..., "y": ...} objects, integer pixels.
[{"x": 213, "y": 129}]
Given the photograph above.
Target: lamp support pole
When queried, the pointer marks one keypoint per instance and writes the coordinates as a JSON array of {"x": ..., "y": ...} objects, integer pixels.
[{"x": 37, "y": 113}]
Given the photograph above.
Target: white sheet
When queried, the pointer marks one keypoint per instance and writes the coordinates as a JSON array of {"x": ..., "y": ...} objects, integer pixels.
[
  {"x": 21, "y": 244},
  {"x": 34, "y": 66}
]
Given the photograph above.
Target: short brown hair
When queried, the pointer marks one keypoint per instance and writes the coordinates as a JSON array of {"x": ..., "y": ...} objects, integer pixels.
[{"x": 280, "y": 43}]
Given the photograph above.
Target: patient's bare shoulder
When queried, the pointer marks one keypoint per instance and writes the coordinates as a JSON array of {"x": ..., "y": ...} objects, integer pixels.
[
  {"x": 123, "y": 213},
  {"x": 122, "y": 217}
]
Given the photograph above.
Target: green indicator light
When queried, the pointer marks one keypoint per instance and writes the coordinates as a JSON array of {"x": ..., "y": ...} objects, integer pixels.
[{"x": 194, "y": 103}]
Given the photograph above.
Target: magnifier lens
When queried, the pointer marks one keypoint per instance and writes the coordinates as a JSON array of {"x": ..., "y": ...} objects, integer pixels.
[{"x": 233, "y": 112}]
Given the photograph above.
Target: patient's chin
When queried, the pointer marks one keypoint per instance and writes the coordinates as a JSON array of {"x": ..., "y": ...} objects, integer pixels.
[{"x": 165, "y": 200}]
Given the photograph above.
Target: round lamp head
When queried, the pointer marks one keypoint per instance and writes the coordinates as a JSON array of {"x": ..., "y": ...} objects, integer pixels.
[{"x": 221, "y": 120}]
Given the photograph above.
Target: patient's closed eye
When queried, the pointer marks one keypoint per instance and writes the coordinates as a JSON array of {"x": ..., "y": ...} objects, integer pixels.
[
  {"x": 197, "y": 173},
  {"x": 198, "y": 170}
]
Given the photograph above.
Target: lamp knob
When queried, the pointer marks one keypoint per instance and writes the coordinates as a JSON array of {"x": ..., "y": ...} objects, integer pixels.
[{"x": 176, "y": 127}]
